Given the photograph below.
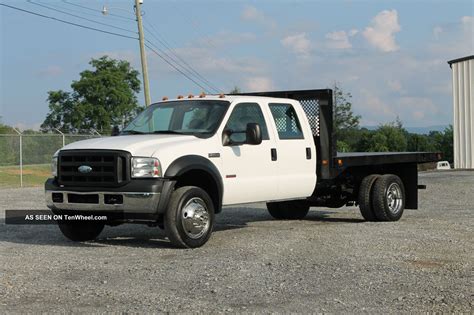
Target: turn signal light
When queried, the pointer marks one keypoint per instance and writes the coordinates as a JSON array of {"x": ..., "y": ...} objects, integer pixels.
[{"x": 325, "y": 162}]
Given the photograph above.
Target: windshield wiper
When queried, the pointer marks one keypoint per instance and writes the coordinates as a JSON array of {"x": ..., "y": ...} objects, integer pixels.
[{"x": 132, "y": 132}]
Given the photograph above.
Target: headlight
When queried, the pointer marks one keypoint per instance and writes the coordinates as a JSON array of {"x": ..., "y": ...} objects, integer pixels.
[
  {"x": 145, "y": 167},
  {"x": 54, "y": 166}
]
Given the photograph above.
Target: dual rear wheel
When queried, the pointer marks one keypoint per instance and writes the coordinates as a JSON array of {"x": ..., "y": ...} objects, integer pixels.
[{"x": 382, "y": 198}]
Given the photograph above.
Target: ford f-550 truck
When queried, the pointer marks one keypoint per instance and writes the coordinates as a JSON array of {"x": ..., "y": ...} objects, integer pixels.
[{"x": 180, "y": 161}]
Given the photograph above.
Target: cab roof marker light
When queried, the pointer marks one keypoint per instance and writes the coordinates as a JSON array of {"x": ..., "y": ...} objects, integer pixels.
[
  {"x": 221, "y": 95},
  {"x": 180, "y": 97},
  {"x": 190, "y": 96},
  {"x": 202, "y": 95},
  {"x": 165, "y": 98}
]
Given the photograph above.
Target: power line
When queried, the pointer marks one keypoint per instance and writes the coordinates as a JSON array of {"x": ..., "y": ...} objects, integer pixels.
[
  {"x": 191, "y": 71},
  {"x": 105, "y": 32},
  {"x": 97, "y": 14},
  {"x": 163, "y": 42},
  {"x": 195, "y": 25},
  {"x": 164, "y": 54},
  {"x": 186, "y": 67},
  {"x": 95, "y": 10},
  {"x": 80, "y": 17},
  {"x": 172, "y": 65},
  {"x": 67, "y": 22}
]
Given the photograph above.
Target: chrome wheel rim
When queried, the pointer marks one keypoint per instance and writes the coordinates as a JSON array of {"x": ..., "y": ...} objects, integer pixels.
[
  {"x": 195, "y": 218},
  {"x": 394, "y": 198}
]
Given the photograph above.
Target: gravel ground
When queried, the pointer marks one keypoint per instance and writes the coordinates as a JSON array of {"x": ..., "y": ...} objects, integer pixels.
[{"x": 330, "y": 262}]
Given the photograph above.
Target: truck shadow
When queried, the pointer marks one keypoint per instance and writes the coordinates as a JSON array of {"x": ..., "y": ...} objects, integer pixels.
[{"x": 134, "y": 235}]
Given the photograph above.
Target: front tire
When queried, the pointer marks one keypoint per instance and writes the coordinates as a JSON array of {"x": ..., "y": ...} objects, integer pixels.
[
  {"x": 81, "y": 231},
  {"x": 189, "y": 219},
  {"x": 388, "y": 199},
  {"x": 288, "y": 210}
]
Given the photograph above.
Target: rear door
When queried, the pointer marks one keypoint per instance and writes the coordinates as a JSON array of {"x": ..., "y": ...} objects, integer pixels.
[
  {"x": 296, "y": 156},
  {"x": 249, "y": 174}
]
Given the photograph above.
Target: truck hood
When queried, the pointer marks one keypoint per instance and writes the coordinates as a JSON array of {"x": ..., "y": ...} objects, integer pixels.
[{"x": 137, "y": 145}]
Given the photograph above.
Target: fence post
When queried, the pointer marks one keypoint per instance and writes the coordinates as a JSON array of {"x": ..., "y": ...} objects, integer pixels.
[
  {"x": 62, "y": 134},
  {"x": 93, "y": 130},
  {"x": 21, "y": 156}
]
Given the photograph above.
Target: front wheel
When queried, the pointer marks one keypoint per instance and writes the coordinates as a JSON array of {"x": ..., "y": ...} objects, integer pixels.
[
  {"x": 81, "y": 231},
  {"x": 189, "y": 219},
  {"x": 288, "y": 210}
]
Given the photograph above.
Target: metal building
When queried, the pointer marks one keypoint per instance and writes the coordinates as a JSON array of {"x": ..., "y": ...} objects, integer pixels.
[{"x": 463, "y": 109}]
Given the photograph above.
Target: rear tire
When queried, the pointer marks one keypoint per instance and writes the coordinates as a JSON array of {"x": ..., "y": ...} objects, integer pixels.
[
  {"x": 189, "y": 219},
  {"x": 81, "y": 231},
  {"x": 388, "y": 199},
  {"x": 288, "y": 210},
  {"x": 365, "y": 197}
]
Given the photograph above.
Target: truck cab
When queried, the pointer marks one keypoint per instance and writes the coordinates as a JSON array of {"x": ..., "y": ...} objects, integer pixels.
[{"x": 179, "y": 161}]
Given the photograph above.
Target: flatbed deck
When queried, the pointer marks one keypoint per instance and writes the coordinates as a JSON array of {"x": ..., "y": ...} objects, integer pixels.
[{"x": 349, "y": 159}]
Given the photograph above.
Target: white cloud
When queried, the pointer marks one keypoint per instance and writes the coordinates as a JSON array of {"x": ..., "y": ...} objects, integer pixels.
[
  {"x": 297, "y": 43},
  {"x": 437, "y": 31},
  {"x": 395, "y": 85},
  {"x": 353, "y": 32},
  {"x": 259, "y": 84},
  {"x": 338, "y": 40},
  {"x": 251, "y": 13},
  {"x": 226, "y": 38},
  {"x": 456, "y": 39},
  {"x": 375, "y": 106},
  {"x": 381, "y": 33},
  {"x": 468, "y": 21},
  {"x": 51, "y": 71}
]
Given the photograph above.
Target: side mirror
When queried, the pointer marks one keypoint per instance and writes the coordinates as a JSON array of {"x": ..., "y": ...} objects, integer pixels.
[
  {"x": 115, "y": 131},
  {"x": 254, "y": 134}
]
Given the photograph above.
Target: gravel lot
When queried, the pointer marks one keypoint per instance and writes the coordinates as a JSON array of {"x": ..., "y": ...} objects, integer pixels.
[{"x": 330, "y": 262}]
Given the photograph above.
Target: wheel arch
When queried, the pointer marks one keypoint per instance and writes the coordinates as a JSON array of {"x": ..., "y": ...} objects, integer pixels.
[{"x": 195, "y": 170}]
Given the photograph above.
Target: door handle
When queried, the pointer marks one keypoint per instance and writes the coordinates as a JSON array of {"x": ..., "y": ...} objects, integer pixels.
[
  {"x": 274, "y": 154},
  {"x": 308, "y": 153}
]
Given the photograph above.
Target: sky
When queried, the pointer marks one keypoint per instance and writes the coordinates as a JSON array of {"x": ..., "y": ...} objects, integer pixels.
[{"x": 390, "y": 55}]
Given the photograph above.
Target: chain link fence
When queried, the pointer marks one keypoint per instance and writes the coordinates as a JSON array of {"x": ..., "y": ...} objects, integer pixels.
[{"x": 25, "y": 159}]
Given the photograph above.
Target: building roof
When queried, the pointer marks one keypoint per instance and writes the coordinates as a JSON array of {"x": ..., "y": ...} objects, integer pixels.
[{"x": 460, "y": 60}]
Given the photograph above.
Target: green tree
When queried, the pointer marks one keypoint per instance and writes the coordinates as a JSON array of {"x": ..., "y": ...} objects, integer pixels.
[
  {"x": 5, "y": 129},
  {"x": 443, "y": 142},
  {"x": 235, "y": 90},
  {"x": 346, "y": 124},
  {"x": 344, "y": 118},
  {"x": 387, "y": 137},
  {"x": 102, "y": 98}
]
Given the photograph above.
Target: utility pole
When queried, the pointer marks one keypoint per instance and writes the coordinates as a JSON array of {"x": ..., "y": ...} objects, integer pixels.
[{"x": 146, "y": 85}]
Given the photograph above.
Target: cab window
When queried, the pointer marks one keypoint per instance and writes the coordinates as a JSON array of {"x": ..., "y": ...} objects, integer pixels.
[
  {"x": 286, "y": 121},
  {"x": 243, "y": 114}
]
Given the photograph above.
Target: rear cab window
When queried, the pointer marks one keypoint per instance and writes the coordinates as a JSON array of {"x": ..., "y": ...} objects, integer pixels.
[{"x": 286, "y": 121}]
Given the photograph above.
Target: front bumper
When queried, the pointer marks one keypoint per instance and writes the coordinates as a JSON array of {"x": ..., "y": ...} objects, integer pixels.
[{"x": 141, "y": 196}]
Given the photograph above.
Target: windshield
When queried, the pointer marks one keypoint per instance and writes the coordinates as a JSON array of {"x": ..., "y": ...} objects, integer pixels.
[{"x": 192, "y": 117}]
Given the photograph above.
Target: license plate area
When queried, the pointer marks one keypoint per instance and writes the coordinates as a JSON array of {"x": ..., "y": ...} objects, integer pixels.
[{"x": 88, "y": 198}]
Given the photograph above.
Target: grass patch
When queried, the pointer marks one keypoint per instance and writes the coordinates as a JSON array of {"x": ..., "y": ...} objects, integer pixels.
[{"x": 33, "y": 175}]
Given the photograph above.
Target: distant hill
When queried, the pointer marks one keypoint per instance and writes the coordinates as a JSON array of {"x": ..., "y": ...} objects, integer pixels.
[{"x": 418, "y": 130}]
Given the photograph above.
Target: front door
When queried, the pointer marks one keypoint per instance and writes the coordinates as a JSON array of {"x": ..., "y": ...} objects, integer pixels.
[{"x": 249, "y": 173}]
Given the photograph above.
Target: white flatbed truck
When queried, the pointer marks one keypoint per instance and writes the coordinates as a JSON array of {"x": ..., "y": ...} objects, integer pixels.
[{"x": 181, "y": 160}]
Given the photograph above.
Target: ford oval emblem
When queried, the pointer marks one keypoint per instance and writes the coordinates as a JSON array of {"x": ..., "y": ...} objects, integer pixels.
[{"x": 84, "y": 169}]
